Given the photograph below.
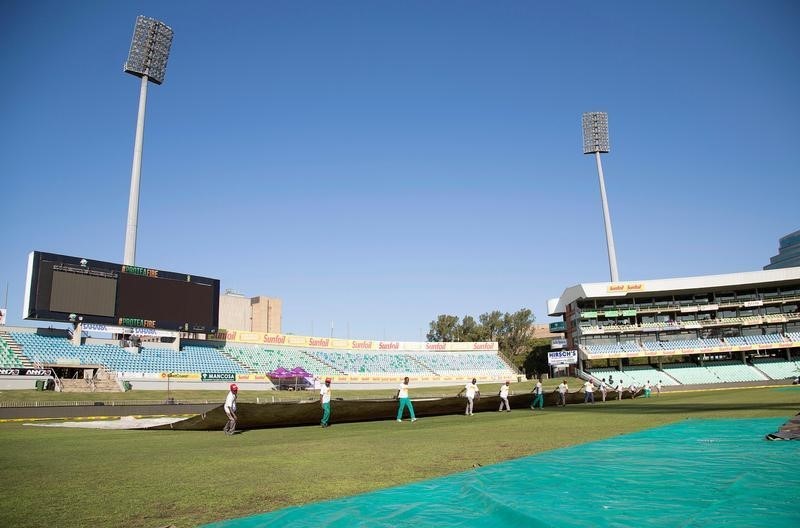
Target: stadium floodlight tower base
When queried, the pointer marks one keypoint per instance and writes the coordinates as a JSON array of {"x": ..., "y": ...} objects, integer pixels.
[
  {"x": 595, "y": 141},
  {"x": 147, "y": 59}
]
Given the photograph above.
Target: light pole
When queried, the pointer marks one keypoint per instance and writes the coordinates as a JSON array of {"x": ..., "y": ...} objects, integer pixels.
[
  {"x": 147, "y": 59},
  {"x": 595, "y": 141}
]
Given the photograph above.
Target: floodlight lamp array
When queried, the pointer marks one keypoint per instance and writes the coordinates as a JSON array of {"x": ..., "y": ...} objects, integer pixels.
[
  {"x": 149, "y": 49},
  {"x": 595, "y": 132}
]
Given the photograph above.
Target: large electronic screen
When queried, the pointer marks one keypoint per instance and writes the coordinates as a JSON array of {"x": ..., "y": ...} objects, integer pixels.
[{"x": 63, "y": 288}]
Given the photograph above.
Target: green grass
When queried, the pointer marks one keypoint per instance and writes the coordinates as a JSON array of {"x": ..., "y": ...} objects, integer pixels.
[{"x": 76, "y": 477}]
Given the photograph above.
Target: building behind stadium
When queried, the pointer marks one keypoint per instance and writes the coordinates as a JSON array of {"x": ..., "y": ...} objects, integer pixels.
[
  {"x": 788, "y": 252},
  {"x": 253, "y": 314}
]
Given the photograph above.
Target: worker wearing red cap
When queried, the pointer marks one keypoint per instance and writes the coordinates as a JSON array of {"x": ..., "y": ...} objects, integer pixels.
[
  {"x": 230, "y": 410},
  {"x": 325, "y": 401}
]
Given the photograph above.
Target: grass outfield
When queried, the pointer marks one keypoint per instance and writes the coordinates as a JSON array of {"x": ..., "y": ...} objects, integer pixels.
[{"x": 77, "y": 477}]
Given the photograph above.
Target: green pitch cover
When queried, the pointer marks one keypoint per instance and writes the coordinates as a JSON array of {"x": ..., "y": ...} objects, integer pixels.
[{"x": 690, "y": 474}]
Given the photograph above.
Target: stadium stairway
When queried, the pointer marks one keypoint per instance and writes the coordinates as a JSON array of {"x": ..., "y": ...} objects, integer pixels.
[
  {"x": 666, "y": 375},
  {"x": 421, "y": 364},
  {"x": 226, "y": 354},
  {"x": 754, "y": 366},
  {"x": 15, "y": 349},
  {"x": 104, "y": 381},
  {"x": 314, "y": 357},
  {"x": 508, "y": 362}
]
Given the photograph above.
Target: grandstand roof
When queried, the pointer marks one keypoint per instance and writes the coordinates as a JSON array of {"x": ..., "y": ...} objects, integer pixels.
[{"x": 594, "y": 290}]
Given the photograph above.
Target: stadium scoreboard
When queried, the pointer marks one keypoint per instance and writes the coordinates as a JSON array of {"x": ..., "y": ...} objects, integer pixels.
[{"x": 65, "y": 289}]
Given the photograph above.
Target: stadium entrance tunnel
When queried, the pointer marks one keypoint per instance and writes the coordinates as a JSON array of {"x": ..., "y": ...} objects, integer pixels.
[{"x": 692, "y": 473}]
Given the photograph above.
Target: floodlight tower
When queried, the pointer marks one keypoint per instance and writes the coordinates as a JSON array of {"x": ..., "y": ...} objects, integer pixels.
[
  {"x": 595, "y": 141},
  {"x": 147, "y": 59}
]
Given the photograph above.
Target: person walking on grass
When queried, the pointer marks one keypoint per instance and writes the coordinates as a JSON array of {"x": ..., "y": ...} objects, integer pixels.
[
  {"x": 588, "y": 390},
  {"x": 620, "y": 388},
  {"x": 647, "y": 389},
  {"x": 504, "y": 396},
  {"x": 230, "y": 409},
  {"x": 405, "y": 401},
  {"x": 538, "y": 395},
  {"x": 658, "y": 388},
  {"x": 325, "y": 402},
  {"x": 603, "y": 388},
  {"x": 472, "y": 391},
  {"x": 563, "y": 390}
]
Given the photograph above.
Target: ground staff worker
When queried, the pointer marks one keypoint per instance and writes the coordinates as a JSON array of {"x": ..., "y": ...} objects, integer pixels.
[
  {"x": 538, "y": 398},
  {"x": 472, "y": 392},
  {"x": 405, "y": 401},
  {"x": 230, "y": 410},
  {"x": 325, "y": 401}
]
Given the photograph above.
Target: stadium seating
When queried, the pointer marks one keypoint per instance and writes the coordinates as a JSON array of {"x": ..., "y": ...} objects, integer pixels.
[
  {"x": 767, "y": 339},
  {"x": 242, "y": 359},
  {"x": 465, "y": 364},
  {"x": 733, "y": 371},
  {"x": 58, "y": 350},
  {"x": 266, "y": 359},
  {"x": 778, "y": 368},
  {"x": 7, "y": 358},
  {"x": 689, "y": 374},
  {"x": 369, "y": 363},
  {"x": 637, "y": 374}
]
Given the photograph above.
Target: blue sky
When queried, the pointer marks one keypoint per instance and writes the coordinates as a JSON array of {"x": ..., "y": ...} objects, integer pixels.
[{"x": 378, "y": 163}]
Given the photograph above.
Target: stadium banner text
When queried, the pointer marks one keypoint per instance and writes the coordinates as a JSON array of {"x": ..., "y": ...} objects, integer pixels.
[
  {"x": 563, "y": 357},
  {"x": 217, "y": 376},
  {"x": 180, "y": 375},
  {"x": 626, "y": 287},
  {"x": 129, "y": 330},
  {"x": 238, "y": 336},
  {"x": 25, "y": 372}
]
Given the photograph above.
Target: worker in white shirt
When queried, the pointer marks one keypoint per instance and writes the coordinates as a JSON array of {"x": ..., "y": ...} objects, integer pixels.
[
  {"x": 230, "y": 409},
  {"x": 325, "y": 402},
  {"x": 648, "y": 388},
  {"x": 620, "y": 388},
  {"x": 538, "y": 395},
  {"x": 603, "y": 388},
  {"x": 405, "y": 401},
  {"x": 472, "y": 391},
  {"x": 504, "y": 396},
  {"x": 658, "y": 388},
  {"x": 563, "y": 390},
  {"x": 588, "y": 390}
]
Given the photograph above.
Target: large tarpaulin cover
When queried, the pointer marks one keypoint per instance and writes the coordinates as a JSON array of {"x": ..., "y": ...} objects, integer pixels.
[{"x": 690, "y": 474}]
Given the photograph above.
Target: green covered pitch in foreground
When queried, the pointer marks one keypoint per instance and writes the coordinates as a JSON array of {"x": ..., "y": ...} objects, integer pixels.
[
  {"x": 684, "y": 474},
  {"x": 73, "y": 477}
]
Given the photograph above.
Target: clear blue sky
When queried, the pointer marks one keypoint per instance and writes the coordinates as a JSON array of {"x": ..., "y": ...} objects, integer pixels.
[{"x": 378, "y": 163}]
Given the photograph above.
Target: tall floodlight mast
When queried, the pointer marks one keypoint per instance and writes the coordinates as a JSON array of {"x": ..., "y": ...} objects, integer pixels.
[
  {"x": 595, "y": 141},
  {"x": 147, "y": 59}
]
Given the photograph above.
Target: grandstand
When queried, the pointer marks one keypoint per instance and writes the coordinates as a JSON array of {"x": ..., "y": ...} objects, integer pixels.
[
  {"x": 252, "y": 356},
  {"x": 54, "y": 350},
  {"x": 734, "y": 328}
]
